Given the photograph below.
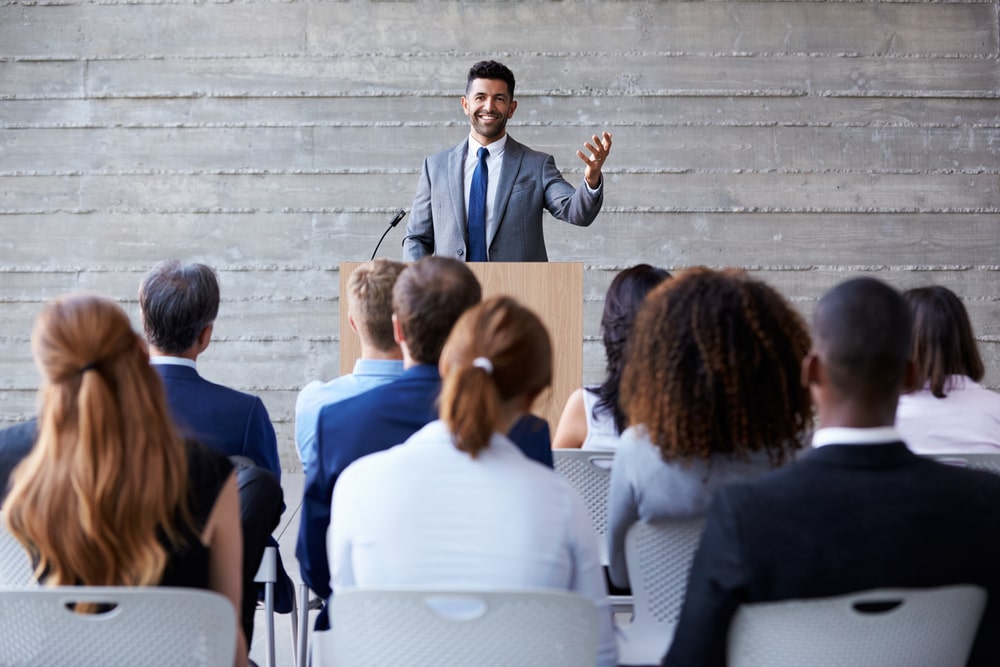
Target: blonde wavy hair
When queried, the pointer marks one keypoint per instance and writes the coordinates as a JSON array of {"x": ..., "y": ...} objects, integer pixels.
[{"x": 109, "y": 473}]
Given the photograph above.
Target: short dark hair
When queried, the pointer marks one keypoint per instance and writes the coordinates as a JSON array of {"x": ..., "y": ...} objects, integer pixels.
[
  {"x": 491, "y": 69},
  {"x": 862, "y": 331},
  {"x": 428, "y": 298},
  {"x": 178, "y": 301},
  {"x": 943, "y": 342}
]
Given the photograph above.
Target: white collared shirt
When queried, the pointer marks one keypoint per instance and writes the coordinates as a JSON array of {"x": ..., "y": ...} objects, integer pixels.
[
  {"x": 494, "y": 163},
  {"x": 841, "y": 435},
  {"x": 173, "y": 361}
]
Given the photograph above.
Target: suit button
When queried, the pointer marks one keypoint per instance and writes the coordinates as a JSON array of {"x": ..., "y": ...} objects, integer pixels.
[{"x": 461, "y": 252}]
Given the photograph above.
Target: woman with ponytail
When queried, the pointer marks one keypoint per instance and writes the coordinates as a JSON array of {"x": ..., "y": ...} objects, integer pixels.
[
  {"x": 111, "y": 495},
  {"x": 458, "y": 505}
]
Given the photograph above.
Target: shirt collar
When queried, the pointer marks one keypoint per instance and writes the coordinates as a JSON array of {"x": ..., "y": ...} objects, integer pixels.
[
  {"x": 496, "y": 148},
  {"x": 173, "y": 361},
  {"x": 855, "y": 436}
]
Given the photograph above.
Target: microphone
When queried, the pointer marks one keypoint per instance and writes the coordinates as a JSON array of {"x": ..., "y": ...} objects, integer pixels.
[{"x": 392, "y": 223}]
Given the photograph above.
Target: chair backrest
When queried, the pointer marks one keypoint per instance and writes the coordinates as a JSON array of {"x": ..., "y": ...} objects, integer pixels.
[
  {"x": 15, "y": 565},
  {"x": 589, "y": 472},
  {"x": 986, "y": 462},
  {"x": 135, "y": 626},
  {"x": 658, "y": 556},
  {"x": 876, "y": 628},
  {"x": 458, "y": 628}
]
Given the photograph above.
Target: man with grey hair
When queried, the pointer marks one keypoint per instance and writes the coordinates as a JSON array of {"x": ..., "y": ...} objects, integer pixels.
[{"x": 179, "y": 303}]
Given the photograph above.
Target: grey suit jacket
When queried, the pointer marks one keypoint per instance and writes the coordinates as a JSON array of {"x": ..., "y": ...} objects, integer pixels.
[{"x": 529, "y": 182}]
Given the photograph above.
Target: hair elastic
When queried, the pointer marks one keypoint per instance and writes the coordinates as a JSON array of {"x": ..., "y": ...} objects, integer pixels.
[
  {"x": 484, "y": 363},
  {"x": 88, "y": 367}
]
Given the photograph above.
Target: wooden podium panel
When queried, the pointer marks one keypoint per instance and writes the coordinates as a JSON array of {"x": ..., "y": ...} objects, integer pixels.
[{"x": 554, "y": 291}]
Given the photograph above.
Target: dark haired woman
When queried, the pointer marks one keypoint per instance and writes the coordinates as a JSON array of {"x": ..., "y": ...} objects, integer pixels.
[
  {"x": 711, "y": 388},
  {"x": 947, "y": 411},
  {"x": 458, "y": 504},
  {"x": 593, "y": 417}
]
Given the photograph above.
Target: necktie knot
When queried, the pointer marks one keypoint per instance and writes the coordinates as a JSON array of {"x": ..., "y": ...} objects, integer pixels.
[{"x": 483, "y": 153}]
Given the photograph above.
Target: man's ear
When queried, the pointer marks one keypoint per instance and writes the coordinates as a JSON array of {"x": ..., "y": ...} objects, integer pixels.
[
  {"x": 354, "y": 326},
  {"x": 812, "y": 370},
  {"x": 205, "y": 337},
  {"x": 397, "y": 330}
]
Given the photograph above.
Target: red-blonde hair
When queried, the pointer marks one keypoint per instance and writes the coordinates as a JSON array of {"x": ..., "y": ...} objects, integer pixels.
[
  {"x": 108, "y": 473},
  {"x": 498, "y": 351}
]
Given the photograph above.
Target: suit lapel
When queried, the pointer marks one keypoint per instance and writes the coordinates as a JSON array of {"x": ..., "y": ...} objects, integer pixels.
[
  {"x": 456, "y": 185},
  {"x": 513, "y": 153}
]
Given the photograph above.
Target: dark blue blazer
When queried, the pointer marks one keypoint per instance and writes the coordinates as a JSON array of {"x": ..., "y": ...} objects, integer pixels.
[
  {"x": 15, "y": 443},
  {"x": 841, "y": 519},
  {"x": 226, "y": 420},
  {"x": 371, "y": 422}
]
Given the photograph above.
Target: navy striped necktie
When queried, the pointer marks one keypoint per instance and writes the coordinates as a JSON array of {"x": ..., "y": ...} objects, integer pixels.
[{"x": 477, "y": 209}]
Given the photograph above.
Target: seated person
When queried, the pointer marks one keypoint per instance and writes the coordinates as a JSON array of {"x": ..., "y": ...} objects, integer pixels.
[
  {"x": 427, "y": 299},
  {"x": 369, "y": 312},
  {"x": 178, "y": 305},
  {"x": 859, "y": 510},
  {"x": 711, "y": 388},
  {"x": 106, "y": 443},
  {"x": 946, "y": 410},
  {"x": 458, "y": 504},
  {"x": 593, "y": 417}
]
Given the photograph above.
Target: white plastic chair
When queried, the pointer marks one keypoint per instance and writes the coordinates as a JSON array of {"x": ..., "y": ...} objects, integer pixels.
[
  {"x": 589, "y": 472},
  {"x": 878, "y": 628},
  {"x": 449, "y": 628},
  {"x": 658, "y": 556},
  {"x": 153, "y": 627},
  {"x": 15, "y": 566}
]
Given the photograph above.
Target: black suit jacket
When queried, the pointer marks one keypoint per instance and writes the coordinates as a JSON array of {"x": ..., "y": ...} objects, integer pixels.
[{"x": 844, "y": 518}]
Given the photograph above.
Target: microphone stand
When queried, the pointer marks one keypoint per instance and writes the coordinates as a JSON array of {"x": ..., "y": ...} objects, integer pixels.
[{"x": 392, "y": 223}]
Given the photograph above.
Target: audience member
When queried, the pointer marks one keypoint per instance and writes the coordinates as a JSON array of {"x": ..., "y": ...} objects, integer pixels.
[
  {"x": 111, "y": 495},
  {"x": 459, "y": 482},
  {"x": 179, "y": 303},
  {"x": 369, "y": 312},
  {"x": 427, "y": 300},
  {"x": 711, "y": 388},
  {"x": 593, "y": 417},
  {"x": 860, "y": 510},
  {"x": 947, "y": 411}
]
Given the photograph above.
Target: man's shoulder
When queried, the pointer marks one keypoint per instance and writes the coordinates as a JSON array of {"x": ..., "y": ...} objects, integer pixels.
[{"x": 526, "y": 153}]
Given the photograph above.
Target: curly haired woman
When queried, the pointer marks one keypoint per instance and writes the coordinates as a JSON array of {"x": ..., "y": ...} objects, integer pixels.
[{"x": 712, "y": 392}]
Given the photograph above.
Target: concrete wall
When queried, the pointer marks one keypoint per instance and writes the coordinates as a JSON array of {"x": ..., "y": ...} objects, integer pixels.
[{"x": 806, "y": 141}]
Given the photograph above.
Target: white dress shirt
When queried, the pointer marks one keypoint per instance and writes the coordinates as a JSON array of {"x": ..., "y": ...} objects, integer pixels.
[
  {"x": 426, "y": 514},
  {"x": 965, "y": 421}
]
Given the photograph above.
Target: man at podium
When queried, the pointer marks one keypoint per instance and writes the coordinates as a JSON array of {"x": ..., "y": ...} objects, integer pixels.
[{"x": 482, "y": 200}]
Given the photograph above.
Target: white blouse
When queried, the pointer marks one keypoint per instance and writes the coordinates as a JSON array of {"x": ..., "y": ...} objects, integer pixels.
[
  {"x": 965, "y": 421},
  {"x": 424, "y": 513}
]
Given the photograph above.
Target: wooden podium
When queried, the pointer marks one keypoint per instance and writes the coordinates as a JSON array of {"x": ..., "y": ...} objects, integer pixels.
[{"x": 554, "y": 291}]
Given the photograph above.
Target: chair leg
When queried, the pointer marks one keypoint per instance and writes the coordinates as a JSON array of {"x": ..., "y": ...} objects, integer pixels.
[
  {"x": 269, "y": 621},
  {"x": 294, "y": 619},
  {"x": 302, "y": 653},
  {"x": 267, "y": 574}
]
